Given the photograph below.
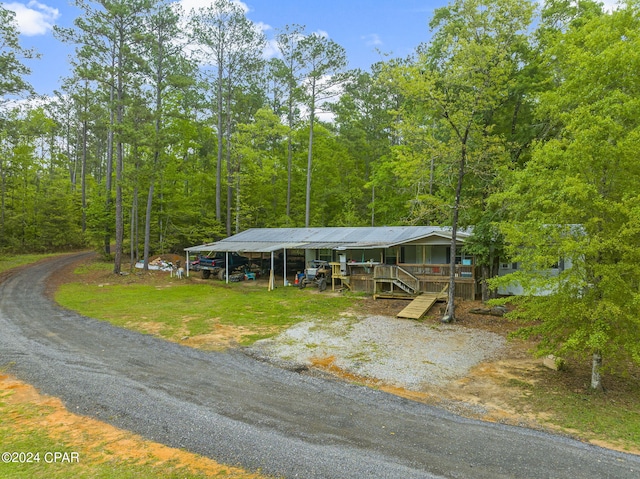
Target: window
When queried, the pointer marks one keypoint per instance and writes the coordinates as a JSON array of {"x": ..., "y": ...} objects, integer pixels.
[
  {"x": 459, "y": 256},
  {"x": 409, "y": 254},
  {"x": 325, "y": 255},
  {"x": 390, "y": 256}
]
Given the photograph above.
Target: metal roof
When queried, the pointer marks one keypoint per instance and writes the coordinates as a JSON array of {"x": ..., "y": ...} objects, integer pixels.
[
  {"x": 265, "y": 240},
  {"x": 245, "y": 246}
]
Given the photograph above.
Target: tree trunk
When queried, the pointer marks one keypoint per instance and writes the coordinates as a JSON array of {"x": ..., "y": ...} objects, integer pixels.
[
  {"x": 228, "y": 160},
  {"x": 596, "y": 366},
  {"x": 147, "y": 226},
  {"x": 495, "y": 269},
  {"x": 109, "y": 174},
  {"x": 83, "y": 176},
  {"x": 450, "y": 314},
  {"x": 119, "y": 212},
  {"x": 289, "y": 153},
  {"x": 373, "y": 205},
  {"x": 220, "y": 137},
  {"x": 133, "y": 227},
  {"x": 485, "y": 287},
  {"x": 237, "y": 230},
  {"x": 119, "y": 173},
  {"x": 307, "y": 211},
  {"x": 3, "y": 192}
]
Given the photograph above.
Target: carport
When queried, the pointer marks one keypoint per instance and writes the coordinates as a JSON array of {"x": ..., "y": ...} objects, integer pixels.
[{"x": 243, "y": 247}]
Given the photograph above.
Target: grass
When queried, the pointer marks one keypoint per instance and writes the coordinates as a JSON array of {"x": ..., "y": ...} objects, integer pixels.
[
  {"x": 191, "y": 308},
  {"x": 13, "y": 261},
  {"x": 565, "y": 399},
  {"x": 20, "y": 432}
]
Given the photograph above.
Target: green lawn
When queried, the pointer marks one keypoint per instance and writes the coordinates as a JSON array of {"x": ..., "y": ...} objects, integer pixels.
[
  {"x": 190, "y": 308},
  {"x": 8, "y": 261}
]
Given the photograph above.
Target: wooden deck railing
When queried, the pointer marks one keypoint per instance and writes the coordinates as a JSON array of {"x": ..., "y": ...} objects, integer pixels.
[
  {"x": 421, "y": 271},
  {"x": 462, "y": 271},
  {"x": 420, "y": 277}
]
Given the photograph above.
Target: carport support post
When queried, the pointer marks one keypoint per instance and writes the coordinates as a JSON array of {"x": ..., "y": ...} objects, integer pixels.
[
  {"x": 271, "y": 275},
  {"x": 188, "y": 264},
  {"x": 284, "y": 267},
  {"x": 226, "y": 263}
]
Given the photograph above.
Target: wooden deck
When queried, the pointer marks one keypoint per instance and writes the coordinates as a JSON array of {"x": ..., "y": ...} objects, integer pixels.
[
  {"x": 422, "y": 304},
  {"x": 381, "y": 280}
]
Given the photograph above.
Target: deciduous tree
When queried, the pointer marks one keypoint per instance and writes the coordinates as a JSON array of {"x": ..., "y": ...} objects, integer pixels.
[
  {"x": 461, "y": 78},
  {"x": 575, "y": 206}
]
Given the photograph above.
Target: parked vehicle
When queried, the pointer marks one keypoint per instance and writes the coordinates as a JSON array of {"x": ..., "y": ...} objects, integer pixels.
[
  {"x": 216, "y": 264},
  {"x": 319, "y": 273}
]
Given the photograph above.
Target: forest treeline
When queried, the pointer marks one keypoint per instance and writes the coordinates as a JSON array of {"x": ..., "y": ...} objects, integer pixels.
[{"x": 174, "y": 129}]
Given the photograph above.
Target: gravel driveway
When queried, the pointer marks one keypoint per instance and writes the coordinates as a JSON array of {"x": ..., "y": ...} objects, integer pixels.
[
  {"x": 240, "y": 411},
  {"x": 399, "y": 352}
]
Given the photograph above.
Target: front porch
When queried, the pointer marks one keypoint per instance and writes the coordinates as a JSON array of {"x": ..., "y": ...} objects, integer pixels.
[{"x": 403, "y": 280}]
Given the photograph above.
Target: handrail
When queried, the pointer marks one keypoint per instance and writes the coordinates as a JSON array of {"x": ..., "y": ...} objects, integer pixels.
[
  {"x": 461, "y": 270},
  {"x": 408, "y": 279},
  {"x": 423, "y": 271}
]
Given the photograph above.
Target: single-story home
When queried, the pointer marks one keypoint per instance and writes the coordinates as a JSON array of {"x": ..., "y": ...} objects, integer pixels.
[
  {"x": 515, "y": 288},
  {"x": 383, "y": 261}
]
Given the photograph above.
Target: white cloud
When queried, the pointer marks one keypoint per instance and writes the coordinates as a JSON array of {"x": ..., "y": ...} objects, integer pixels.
[
  {"x": 610, "y": 5},
  {"x": 187, "y": 6},
  {"x": 263, "y": 27},
  {"x": 34, "y": 18},
  {"x": 372, "y": 40},
  {"x": 25, "y": 104},
  {"x": 271, "y": 49}
]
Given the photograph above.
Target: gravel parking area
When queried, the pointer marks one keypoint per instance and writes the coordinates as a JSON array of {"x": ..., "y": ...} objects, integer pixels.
[{"x": 399, "y": 352}]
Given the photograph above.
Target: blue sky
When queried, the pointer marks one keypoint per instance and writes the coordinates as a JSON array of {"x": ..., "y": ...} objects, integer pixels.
[{"x": 394, "y": 27}]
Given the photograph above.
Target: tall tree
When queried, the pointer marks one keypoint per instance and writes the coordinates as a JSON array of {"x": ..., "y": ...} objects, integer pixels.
[
  {"x": 12, "y": 82},
  {"x": 165, "y": 68},
  {"x": 325, "y": 62},
  {"x": 574, "y": 227},
  {"x": 12, "y": 56},
  {"x": 230, "y": 43},
  {"x": 463, "y": 76},
  {"x": 106, "y": 35},
  {"x": 288, "y": 70},
  {"x": 260, "y": 145},
  {"x": 364, "y": 114}
]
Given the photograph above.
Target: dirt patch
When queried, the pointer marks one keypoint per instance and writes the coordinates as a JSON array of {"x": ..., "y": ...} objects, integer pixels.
[
  {"x": 480, "y": 395},
  {"x": 221, "y": 337},
  {"x": 96, "y": 441}
]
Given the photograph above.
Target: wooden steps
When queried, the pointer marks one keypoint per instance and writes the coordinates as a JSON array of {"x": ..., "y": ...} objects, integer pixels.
[{"x": 422, "y": 304}]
